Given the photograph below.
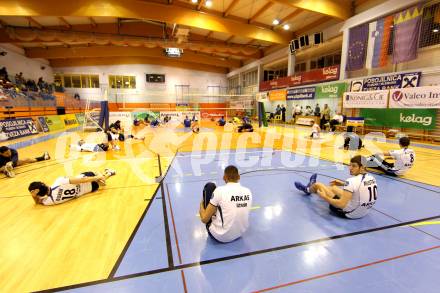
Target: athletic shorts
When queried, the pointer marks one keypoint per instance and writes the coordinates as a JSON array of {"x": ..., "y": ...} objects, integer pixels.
[{"x": 95, "y": 185}]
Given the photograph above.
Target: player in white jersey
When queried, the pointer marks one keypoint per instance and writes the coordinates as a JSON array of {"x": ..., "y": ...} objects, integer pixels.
[
  {"x": 83, "y": 146},
  {"x": 315, "y": 131},
  {"x": 65, "y": 188},
  {"x": 355, "y": 199},
  {"x": 225, "y": 209},
  {"x": 403, "y": 159}
]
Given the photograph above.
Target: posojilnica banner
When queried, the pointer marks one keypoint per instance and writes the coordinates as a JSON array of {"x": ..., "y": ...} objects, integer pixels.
[
  {"x": 15, "y": 128},
  {"x": 330, "y": 91},
  {"x": 400, "y": 118},
  {"x": 418, "y": 97},
  {"x": 372, "y": 99},
  {"x": 54, "y": 122}
]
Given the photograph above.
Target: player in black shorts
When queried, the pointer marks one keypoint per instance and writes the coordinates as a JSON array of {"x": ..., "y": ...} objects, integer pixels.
[
  {"x": 9, "y": 160},
  {"x": 68, "y": 188}
]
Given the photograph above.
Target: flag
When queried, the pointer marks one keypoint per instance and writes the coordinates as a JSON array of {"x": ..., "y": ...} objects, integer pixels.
[
  {"x": 357, "y": 47},
  {"x": 407, "y": 25},
  {"x": 379, "y": 42}
]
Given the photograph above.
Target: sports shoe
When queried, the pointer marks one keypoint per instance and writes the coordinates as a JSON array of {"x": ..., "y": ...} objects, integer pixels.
[
  {"x": 312, "y": 180},
  {"x": 110, "y": 172},
  {"x": 9, "y": 170},
  {"x": 116, "y": 148},
  {"x": 46, "y": 156},
  {"x": 302, "y": 187}
]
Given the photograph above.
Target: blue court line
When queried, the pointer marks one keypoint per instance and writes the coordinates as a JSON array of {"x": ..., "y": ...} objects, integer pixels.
[{"x": 26, "y": 143}]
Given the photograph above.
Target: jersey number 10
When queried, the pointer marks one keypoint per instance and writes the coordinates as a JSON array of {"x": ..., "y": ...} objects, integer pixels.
[{"x": 373, "y": 192}]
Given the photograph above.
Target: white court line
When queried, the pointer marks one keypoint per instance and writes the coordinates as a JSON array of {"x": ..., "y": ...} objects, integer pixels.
[{"x": 229, "y": 153}]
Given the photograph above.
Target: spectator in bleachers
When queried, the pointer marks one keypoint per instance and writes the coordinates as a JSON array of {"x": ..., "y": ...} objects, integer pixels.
[
  {"x": 19, "y": 80},
  {"x": 41, "y": 84},
  {"x": 4, "y": 74}
]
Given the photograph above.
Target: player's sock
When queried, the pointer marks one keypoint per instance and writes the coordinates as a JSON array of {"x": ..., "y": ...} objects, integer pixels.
[
  {"x": 44, "y": 157},
  {"x": 110, "y": 172},
  {"x": 302, "y": 187}
]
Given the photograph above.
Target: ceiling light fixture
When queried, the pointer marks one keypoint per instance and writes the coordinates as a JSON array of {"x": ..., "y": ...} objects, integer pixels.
[
  {"x": 286, "y": 27},
  {"x": 275, "y": 22},
  {"x": 208, "y": 3},
  {"x": 435, "y": 30},
  {"x": 194, "y": 1}
]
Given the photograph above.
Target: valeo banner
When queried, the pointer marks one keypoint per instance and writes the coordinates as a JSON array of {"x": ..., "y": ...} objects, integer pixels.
[
  {"x": 400, "y": 118},
  {"x": 54, "y": 122},
  {"x": 331, "y": 90}
]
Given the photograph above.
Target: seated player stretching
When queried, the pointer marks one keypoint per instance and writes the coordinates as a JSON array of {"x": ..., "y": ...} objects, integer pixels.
[
  {"x": 355, "y": 199},
  {"x": 225, "y": 209},
  {"x": 9, "y": 160},
  {"x": 404, "y": 159},
  {"x": 65, "y": 188},
  {"x": 195, "y": 126},
  {"x": 315, "y": 131}
]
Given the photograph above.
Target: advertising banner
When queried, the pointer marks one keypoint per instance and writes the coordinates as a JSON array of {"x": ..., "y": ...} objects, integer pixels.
[
  {"x": 400, "y": 118},
  {"x": 179, "y": 115},
  {"x": 331, "y": 91},
  {"x": 419, "y": 97},
  {"x": 43, "y": 124},
  {"x": 391, "y": 81},
  {"x": 305, "y": 93},
  {"x": 15, "y": 128},
  {"x": 212, "y": 113},
  {"x": 70, "y": 120},
  {"x": 80, "y": 118},
  {"x": 372, "y": 99},
  {"x": 319, "y": 75},
  {"x": 141, "y": 115},
  {"x": 278, "y": 95},
  {"x": 54, "y": 122}
]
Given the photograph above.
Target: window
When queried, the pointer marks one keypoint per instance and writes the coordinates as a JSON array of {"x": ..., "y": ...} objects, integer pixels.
[
  {"x": 77, "y": 80},
  {"x": 250, "y": 78},
  {"x": 300, "y": 67},
  {"x": 122, "y": 81},
  {"x": 430, "y": 31},
  {"x": 325, "y": 61}
]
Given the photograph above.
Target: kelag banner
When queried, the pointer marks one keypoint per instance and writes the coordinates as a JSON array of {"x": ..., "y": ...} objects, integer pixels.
[
  {"x": 372, "y": 99},
  {"x": 391, "y": 81},
  {"x": 15, "y": 128},
  {"x": 304, "y": 93},
  {"x": 400, "y": 118},
  {"x": 421, "y": 97},
  {"x": 54, "y": 122},
  {"x": 314, "y": 76},
  {"x": 331, "y": 91}
]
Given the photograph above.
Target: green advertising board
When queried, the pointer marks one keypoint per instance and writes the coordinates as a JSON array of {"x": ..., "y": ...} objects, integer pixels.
[
  {"x": 142, "y": 115},
  {"x": 331, "y": 90},
  {"x": 54, "y": 122},
  {"x": 400, "y": 118}
]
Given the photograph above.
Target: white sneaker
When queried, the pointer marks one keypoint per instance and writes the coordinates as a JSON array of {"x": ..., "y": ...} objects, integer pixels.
[
  {"x": 9, "y": 170},
  {"x": 46, "y": 156},
  {"x": 110, "y": 172},
  {"x": 116, "y": 148}
]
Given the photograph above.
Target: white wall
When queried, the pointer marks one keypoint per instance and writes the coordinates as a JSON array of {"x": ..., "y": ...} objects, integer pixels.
[
  {"x": 15, "y": 61},
  {"x": 146, "y": 92}
]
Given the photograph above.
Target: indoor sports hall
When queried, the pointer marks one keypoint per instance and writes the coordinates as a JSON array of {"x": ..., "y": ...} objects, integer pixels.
[{"x": 219, "y": 146}]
